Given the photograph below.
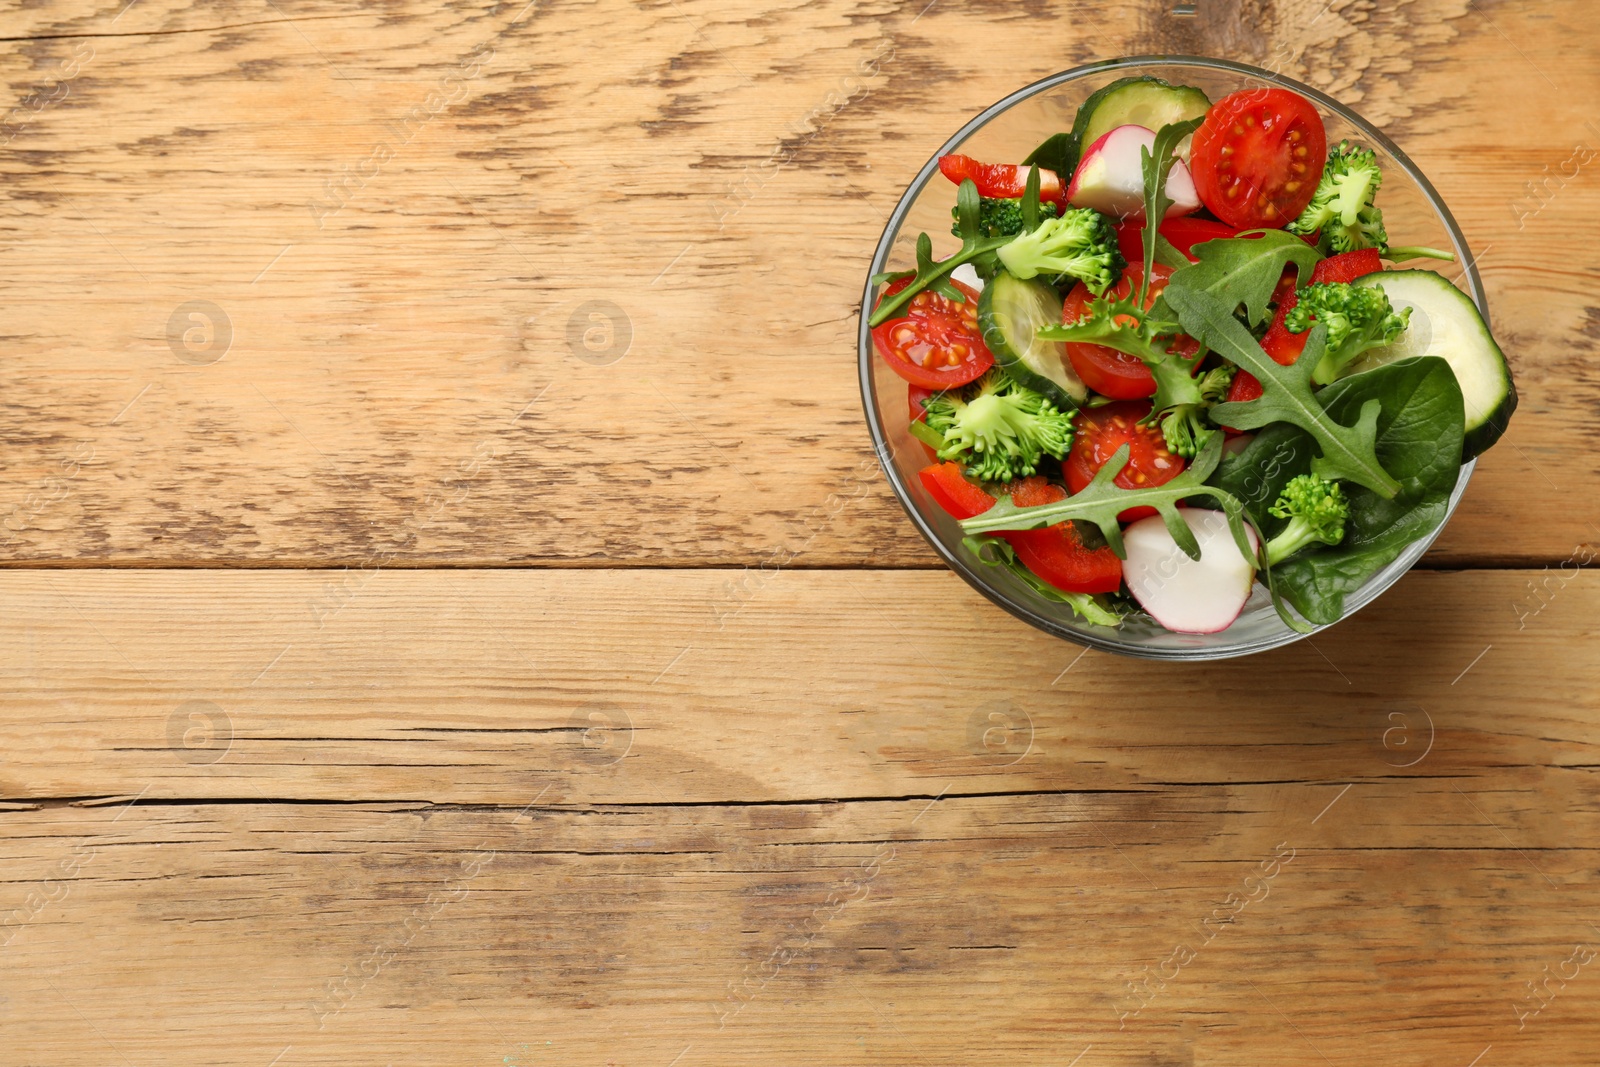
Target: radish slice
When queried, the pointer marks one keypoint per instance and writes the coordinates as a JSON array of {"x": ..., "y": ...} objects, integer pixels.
[
  {"x": 1111, "y": 177},
  {"x": 1237, "y": 443},
  {"x": 1189, "y": 596},
  {"x": 967, "y": 274}
]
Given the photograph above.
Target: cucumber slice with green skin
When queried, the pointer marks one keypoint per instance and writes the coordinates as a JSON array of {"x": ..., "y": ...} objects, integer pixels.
[
  {"x": 1141, "y": 101},
  {"x": 1010, "y": 313},
  {"x": 1446, "y": 323}
]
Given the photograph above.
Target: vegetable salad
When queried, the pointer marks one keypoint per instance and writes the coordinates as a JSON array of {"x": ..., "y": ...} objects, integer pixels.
[{"x": 1175, "y": 354}]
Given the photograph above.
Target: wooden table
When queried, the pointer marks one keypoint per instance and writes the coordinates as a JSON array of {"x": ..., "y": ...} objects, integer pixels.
[{"x": 446, "y": 620}]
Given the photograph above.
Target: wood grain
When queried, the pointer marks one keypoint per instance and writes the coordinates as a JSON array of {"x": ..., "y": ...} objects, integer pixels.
[
  {"x": 524, "y": 337},
  {"x": 408, "y": 215},
  {"x": 1401, "y": 927},
  {"x": 639, "y": 687}
]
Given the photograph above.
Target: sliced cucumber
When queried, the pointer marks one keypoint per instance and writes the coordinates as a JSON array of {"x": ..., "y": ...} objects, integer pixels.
[
  {"x": 1446, "y": 323},
  {"x": 1010, "y": 313},
  {"x": 1142, "y": 101}
]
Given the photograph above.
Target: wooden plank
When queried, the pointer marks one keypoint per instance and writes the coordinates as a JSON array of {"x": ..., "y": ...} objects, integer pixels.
[
  {"x": 621, "y": 687},
  {"x": 392, "y": 313},
  {"x": 1399, "y": 922}
]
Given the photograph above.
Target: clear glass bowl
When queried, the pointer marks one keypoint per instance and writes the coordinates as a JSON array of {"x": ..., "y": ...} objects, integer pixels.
[{"x": 1010, "y": 130}]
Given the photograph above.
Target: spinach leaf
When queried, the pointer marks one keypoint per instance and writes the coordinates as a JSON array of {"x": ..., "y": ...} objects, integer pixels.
[
  {"x": 1245, "y": 270},
  {"x": 1419, "y": 433},
  {"x": 1058, "y": 153},
  {"x": 1258, "y": 474},
  {"x": 1346, "y": 451},
  {"x": 1030, "y": 201}
]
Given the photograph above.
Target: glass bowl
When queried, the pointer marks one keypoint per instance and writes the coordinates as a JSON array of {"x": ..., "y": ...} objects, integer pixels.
[{"x": 1008, "y": 131}]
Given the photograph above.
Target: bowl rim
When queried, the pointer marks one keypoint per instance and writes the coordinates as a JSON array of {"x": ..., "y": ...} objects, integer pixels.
[{"x": 885, "y": 452}]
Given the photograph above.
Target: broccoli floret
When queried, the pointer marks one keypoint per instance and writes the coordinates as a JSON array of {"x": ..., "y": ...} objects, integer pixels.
[
  {"x": 1079, "y": 244},
  {"x": 1316, "y": 509},
  {"x": 1342, "y": 205},
  {"x": 1000, "y": 217},
  {"x": 997, "y": 217},
  {"x": 998, "y": 428},
  {"x": 1185, "y": 427},
  {"x": 1358, "y": 317}
]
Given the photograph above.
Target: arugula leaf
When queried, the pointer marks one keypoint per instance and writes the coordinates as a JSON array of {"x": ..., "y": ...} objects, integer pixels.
[
  {"x": 1176, "y": 385},
  {"x": 1119, "y": 324},
  {"x": 997, "y": 552},
  {"x": 1348, "y": 452},
  {"x": 1100, "y": 502},
  {"x": 931, "y": 273},
  {"x": 1245, "y": 270},
  {"x": 1167, "y": 253},
  {"x": 1155, "y": 165},
  {"x": 1419, "y": 439},
  {"x": 1058, "y": 153}
]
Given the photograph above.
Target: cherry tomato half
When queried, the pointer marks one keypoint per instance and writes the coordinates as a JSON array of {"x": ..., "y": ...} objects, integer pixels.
[
  {"x": 1258, "y": 156},
  {"x": 1101, "y": 431},
  {"x": 1105, "y": 370},
  {"x": 1054, "y": 553},
  {"x": 935, "y": 343},
  {"x": 1002, "y": 179}
]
